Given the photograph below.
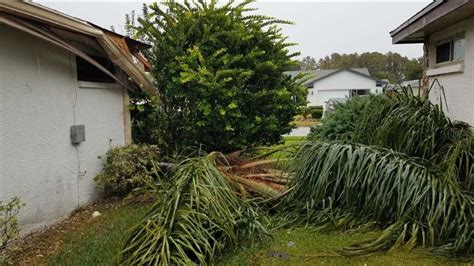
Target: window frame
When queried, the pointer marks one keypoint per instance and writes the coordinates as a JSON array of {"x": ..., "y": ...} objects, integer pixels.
[
  {"x": 356, "y": 92},
  {"x": 464, "y": 49},
  {"x": 451, "y": 42},
  {"x": 86, "y": 84}
]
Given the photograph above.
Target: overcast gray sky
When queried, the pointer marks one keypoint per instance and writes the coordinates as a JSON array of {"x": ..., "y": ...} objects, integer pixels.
[{"x": 321, "y": 27}]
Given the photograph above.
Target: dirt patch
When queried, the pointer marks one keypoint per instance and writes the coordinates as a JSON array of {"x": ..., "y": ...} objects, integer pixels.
[{"x": 32, "y": 248}]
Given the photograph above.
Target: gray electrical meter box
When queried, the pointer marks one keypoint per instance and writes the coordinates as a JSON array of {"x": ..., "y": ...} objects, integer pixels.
[{"x": 78, "y": 134}]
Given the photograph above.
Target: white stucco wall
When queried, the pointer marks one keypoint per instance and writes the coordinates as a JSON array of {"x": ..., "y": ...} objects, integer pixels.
[
  {"x": 339, "y": 85},
  {"x": 459, "y": 86},
  {"x": 39, "y": 101},
  {"x": 322, "y": 96}
]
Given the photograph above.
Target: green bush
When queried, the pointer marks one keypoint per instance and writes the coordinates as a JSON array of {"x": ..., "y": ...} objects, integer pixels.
[
  {"x": 304, "y": 111},
  {"x": 316, "y": 111},
  {"x": 220, "y": 74},
  {"x": 127, "y": 168},
  {"x": 9, "y": 227},
  {"x": 342, "y": 123}
]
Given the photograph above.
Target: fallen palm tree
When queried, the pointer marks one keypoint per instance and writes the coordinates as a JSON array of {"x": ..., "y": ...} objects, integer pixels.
[
  {"x": 403, "y": 166},
  {"x": 421, "y": 129},
  {"x": 198, "y": 216},
  {"x": 412, "y": 180}
]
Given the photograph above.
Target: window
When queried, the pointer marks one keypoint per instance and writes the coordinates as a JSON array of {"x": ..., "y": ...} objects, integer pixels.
[
  {"x": 458, "y": 49},
  {"x": 443, "y": 52},
  {"x": 88, "y": 72},
  {"x": 359, "y": 92},
  {"x": 450, "y": 51}
]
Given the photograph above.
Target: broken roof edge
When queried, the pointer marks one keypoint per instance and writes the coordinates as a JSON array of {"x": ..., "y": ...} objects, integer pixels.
[
  {"x": 46, "y": 15},
  {"x": 136, "y": 43},
  {"x": 117, "y": 56},
  {"x": 53, "y": 18},
  {"x": 56, "y": 18}
]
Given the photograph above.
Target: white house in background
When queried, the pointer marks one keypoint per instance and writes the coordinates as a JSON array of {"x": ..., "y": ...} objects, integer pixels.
[
  {"x": 414, "y": 84},
  {"x": 446, "y": 28},
  {"x": 324, "y": 85},
  {"x": 60, "y": 76}
]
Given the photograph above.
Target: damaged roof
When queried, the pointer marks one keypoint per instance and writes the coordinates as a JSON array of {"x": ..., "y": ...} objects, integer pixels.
[{"x": 81, "y": 38}]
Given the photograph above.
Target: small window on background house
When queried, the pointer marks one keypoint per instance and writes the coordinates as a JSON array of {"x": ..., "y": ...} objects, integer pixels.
[
  {"x": 450, "y": 51},
  {"x": 88, "y": 72},
  {"x": 360, "y": 92}
]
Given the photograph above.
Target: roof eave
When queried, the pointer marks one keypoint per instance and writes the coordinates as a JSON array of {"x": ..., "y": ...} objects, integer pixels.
[
  {"x": 342, "y": 70},
  {"x": 138, "y": 45},
  {"x": 417, "y": 16},
  {"x": 411, "y": 31},
  {"x": 40, "y": 13},
  {"x": 52, "y": 18},
  {"x": 44, "y": 14}
]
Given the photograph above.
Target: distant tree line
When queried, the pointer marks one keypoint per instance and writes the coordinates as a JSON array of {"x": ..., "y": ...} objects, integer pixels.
[{"x": 392, "y": 66}]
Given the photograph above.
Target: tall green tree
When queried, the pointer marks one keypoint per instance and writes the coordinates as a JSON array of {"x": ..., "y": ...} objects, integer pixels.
[
  {"x": 308, "y": 63},
  {"x": 392, "y": 66},
  {"x": 219, "y": 70}
]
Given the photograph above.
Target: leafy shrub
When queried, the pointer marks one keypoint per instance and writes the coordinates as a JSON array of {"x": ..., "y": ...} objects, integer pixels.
[
  {"x": 126, "y": 168},
  {"x": 342, "y": 123},
  {"x": 316, "y": 111},
  {"x": 304, "y": 111},
  {"x": 9, "y": 227},
  {"x": 220, "y": 73}
]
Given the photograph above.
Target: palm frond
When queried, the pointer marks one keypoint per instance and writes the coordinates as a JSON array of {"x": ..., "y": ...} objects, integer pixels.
[
  {"x": 345, "y": 186},
  {"x": 198, "y": 218}
]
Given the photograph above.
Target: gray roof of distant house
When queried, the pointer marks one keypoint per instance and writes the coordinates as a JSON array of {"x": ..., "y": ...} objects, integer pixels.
[{"x": 315, "y": 75}]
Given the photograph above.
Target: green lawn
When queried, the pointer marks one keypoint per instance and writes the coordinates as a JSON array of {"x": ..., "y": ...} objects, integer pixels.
[
  {"x": 306, "y": 247},
  {"x": 288, "y": 140},
  {"x": 293, "y": 139},
  {"x": 89, "y": 241}
]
